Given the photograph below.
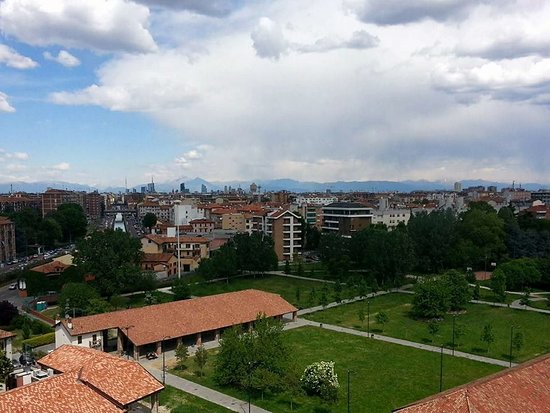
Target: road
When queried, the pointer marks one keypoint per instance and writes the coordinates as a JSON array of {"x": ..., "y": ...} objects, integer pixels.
[{"x": 10, "y": 295}]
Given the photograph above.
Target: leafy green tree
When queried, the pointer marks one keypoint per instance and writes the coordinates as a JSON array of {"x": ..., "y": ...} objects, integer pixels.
[
  {"x": 182, "y": 354},
  {"x": 517, "y": 341},
  {"x": 481, "y": 236},
  {"x": 477, "y": 291},
  {"x": 201, "y": 357},
  {"x": 362, "y": 288},
  {"x": 26, "y": 331},
  {"x": 255, "y": 253},
  {"x": 320, "y": 379},
  {"x": 72, "y": 219},
  {"x": 181, "y": 289},
  {"x": 98, "y": 306},
  {"x": 291, "y": 382},
  {"x": 49, "y": 232},
  {"x": 433, "y": 328},
  {"x": 498, "y": 285},
  {"x": 431, "y": 299},
  {"x": 7, "y": 313},
  {"x": 6, "y": 367},
  {"x": 119, "y": 302},
  {"x": 361, "y": 314},
  {"x": 77, "y": 296},
  {"x": 149, "y": 220},
  {"x": 337, "y": 291},
  {"x": 297, "y": 294},
  {"x": 224, "y": 261},
  {"x": 458, "y": 289},
  {"x": 382, "y": 318},
  {"x": 526, "y": 298},
  {"x": 312, "y": 298},
  {"x": 323, "y": 298},
  {"x": 264, "y": 380},
  {"x": 287, "y": 267},
  {"x": 300, "y": 270},
  {"x": 460, "y": 331},
  {"x": 113, "y": 257},
  {"x": 434, "y": 237},
  {"x": 487, "y": 335},
  {"x": 519, "y": 273}
]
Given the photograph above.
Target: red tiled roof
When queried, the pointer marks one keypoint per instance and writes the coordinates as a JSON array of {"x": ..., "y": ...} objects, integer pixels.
[
  {"x": 6, "y": 334},
  {"x": 5, "y": 220},
  {"x": 201, "y": 221},
  {"x": 64, "y": 393},
  {"x": 182, "y": 318},
  {"x": 161, "y": 239},
  {"x": 51, "y": 267},
  {"x": 124, "y": 381},
  {"x": 524, "y": 388}
]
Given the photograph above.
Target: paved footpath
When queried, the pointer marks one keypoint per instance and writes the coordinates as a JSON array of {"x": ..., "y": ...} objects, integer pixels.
[
  {"x": 205, "y": 393},
  {"x": 302, "y": 322}
]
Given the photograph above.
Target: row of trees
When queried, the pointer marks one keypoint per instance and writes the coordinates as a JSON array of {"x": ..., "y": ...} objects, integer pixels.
[
  {"x": 244, "y": 253},
  {"x": 436, "y": 241},
  {"x": 64, "y": 225}
]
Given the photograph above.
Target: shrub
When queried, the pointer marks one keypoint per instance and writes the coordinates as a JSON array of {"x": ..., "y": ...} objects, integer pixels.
[
  {"x": 321, "y": 380},
  {"x": 38, "y": 341}
]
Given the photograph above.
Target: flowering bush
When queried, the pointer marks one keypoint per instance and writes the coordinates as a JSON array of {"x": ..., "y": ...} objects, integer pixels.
[{"x": 320, "y": 379}]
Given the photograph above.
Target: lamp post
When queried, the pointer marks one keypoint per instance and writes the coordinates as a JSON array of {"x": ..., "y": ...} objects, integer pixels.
[
  {"x": 349, "y": 399},
  {"x": 128, "y": 340},
  {"x": 249, "y": 382},
  {"x": 368, "y": 318},
  {"x": 441, "y": 370},
  {"x": 164, "y": 360},
  {"x": 511, "y": 342},
  {"x": 454, "y": 319}
]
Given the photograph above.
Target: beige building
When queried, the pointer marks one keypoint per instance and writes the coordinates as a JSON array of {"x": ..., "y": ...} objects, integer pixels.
[
  {"x": 234, "y": 221},
  {"x": 5, "y": 343},
  {"x": 286, "y": 230},
  {"x": 191, "y": 249}
]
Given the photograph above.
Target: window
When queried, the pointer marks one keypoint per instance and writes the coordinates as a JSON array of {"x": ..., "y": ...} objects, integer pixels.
[
  {"x": 94, "y": 337},
  {"x": 79, "y": 339}
]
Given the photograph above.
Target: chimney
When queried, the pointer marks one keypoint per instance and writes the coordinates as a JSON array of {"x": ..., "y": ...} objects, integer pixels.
[{"x": 70, "y": 323}]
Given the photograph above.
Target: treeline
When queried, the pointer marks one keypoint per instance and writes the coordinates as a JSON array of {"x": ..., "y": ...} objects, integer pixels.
[
  {"x": 434, "y": 242},
  {"x": 64, "y": 225}
]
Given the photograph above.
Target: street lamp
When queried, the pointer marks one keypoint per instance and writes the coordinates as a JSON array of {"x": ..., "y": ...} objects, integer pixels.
[
  {"x": 164, "y": 360},
  {"x": 368, "y": 318},
  {"x": 349, "y": 375},
  {"x": 454, "y": 320},
  {"x": 441, "y": 371}
]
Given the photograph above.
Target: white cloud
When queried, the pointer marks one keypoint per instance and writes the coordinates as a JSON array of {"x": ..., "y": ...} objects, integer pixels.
[
  {"x": 107, "y": 26},
  {"x": 215, "y": 8},
  {"x": 11, "y": 58},
  {"x": 193, "y": 154},
  {"x": 358, "y": 40},
  {"x": 62, "y": 166},
  {"x": 268, "y": 39},
  {"x": 22, "y": 156},
  {"x": 63, "y": 58},
  {"x": 4, "y": 104}
]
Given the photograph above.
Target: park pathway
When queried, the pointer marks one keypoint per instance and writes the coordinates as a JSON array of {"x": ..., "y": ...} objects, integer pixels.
[
  {"x": 303, "y": 322},
  {"x": 515, "y": 305},
  {"x": 203, "y": 392}
]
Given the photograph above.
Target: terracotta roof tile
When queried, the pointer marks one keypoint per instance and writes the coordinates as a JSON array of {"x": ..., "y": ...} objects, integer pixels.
[
  {"x": 122, "y": 380},
  {"x": 524, "y": 388},
  {"x": 6, "y": 334},
  {"x": 154, "y": 257},
  {"x": 161, "y": 239},
  {"x": 182, "y": 318},
  {"x": 51, "y": 267}
]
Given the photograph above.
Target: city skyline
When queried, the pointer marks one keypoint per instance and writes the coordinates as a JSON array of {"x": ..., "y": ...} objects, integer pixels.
[{"x": 235, "y": 90}]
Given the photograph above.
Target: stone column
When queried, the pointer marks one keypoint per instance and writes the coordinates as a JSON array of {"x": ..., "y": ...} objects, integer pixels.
[
  {"x": 179, "y": 341},
  {"x": 155, "y": 403},
  {"x": 136, "y": 353},
  {"x": 199, "y": 339},
  {"x": 159, "y": 347},
  {"x": 119, "y": 347},
  {"x": 294, "y": 315},
  {"x": 217, "y": 333}
]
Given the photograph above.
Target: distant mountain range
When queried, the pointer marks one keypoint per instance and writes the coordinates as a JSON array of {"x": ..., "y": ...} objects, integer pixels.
[{"x": 194, "y": 185}]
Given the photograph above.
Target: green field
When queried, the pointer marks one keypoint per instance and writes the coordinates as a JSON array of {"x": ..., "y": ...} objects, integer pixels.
[
  {"x": 542, "y": 304},
  {"x": 534, "y": 326},
  {"x": 384, "y": 376},
  {"x": 488, "y": 295},
  {"x": 181, "y": 402},
  {"x": 284, "y": 286}
]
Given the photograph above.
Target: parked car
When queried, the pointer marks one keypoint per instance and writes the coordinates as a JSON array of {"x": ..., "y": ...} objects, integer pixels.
[{"x": 13, "y": 286}]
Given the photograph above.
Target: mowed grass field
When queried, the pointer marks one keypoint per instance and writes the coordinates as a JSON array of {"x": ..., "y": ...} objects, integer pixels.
[
  {"x": 383, "y": 376},
  {"x": 534, "y": 326},
  {"x": 178, "y": 401},
  {"x": 284, "y": 286}
]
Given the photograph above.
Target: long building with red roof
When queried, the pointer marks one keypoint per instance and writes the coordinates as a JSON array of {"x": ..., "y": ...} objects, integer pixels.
[{"x": 149, "y": 329}]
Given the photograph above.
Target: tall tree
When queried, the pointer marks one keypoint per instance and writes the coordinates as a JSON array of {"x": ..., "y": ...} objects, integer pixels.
[
  {"x": 77, "y": 296},
  {"x": 459, "y": 292},
  {"x": 149, "y": 220},
  {"x": 72, "y": 219},
  {"x": 113, "y": 257},
  {"x": 431, "y": 299}
]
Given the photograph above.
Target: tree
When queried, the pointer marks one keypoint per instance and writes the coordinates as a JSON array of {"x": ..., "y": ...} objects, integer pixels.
[
  {"x": 7, "y": 313},
  {"x": 297, "y": 294},
  {"x": 6, "y": 367},
  {"x": 181, "y": 289},
  {"x": 312, "y": 298},
  {"x": 149, "y": 220},
  {"x": 300, "y": 270},
  {"x": 118, "y": 302},
  {"x": 457, "y": 287},
  {"x": 72, "y": 219},
  {"x": 382, "y": 318},
  {"x": 287, "y": 267},
  {"x": 224, "y": 261},
  {"x": 114, "y": 258},
  {"x": 460, "y": 331},
  {"x": 49, "y": 232},
  {"x": 320, "y": 379},
  {"x": 517, "y": 341},
  {"x": 477, "y": 291},
  {"x": 77, "y": 296},
  {"x": 242, "y": 355},
  {"x": 323, "y": 299},
  {"x": 182, "y": 354},
  {"x": 487, "y": 335},
  {"x": 291, "y": 381},
  {"x": 337, "y": 291},
  {"x": 98, "y": 306},
  {"x": 433, "y": 328},
  {"x": 520, "y": 273},
  {"x": 431, "y": 299},
  {"x": 361, "y": 314},
  {"x": 26, "y": 331},
  {"x": 201, "y": 357},
  {"x": 498, "y": 285}
]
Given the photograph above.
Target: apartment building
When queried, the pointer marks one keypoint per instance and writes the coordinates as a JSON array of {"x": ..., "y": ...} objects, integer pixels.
[
  {"x": 191, "y": 249},
  {"x": 345, "y": 218},
  {"x": 202, "y": 226},
  {"x": 286, "y": 230},
  {"x": 19, "y": 201},
  {"x": 52, "y": 198},
  {"x": 94, "y": 205},
  {"x": 7, "y": 240},
  {"x": 319, "y": 200}
]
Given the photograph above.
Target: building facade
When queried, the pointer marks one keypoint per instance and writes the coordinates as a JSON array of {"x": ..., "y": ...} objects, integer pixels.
[
  {"x": 7, "y": 240},
  {"x": 52, "y": 198},
  {"x": 286, "y": 230},
  {"x": 345, "y": 218}
]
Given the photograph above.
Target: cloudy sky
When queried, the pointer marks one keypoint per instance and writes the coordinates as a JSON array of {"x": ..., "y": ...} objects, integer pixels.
[{"x": 95, "y": 91}]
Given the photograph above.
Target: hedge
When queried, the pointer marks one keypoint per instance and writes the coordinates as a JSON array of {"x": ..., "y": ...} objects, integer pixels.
[{"x": 38, "y": 341}]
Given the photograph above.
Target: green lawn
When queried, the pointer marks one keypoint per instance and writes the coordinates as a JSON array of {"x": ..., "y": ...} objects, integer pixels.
[
  {"x": 138, "y": 300},
  {"x": 181, "y": 402},
  {"x": 488, "y": 295},
  {"x": 286, "y": 287},
  {"x": 542, "y": 304},
  {"x": 535, "y": 326},
  {"x": 384, "y": 376}
]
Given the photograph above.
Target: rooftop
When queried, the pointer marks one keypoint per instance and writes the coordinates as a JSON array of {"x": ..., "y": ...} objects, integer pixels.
[
  {"x": 6, "y": 334},
  {"x": 182, "y": 318}
]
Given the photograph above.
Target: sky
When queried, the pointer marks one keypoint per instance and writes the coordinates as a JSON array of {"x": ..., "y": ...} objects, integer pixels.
[{"x": 96, "y": 92}]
